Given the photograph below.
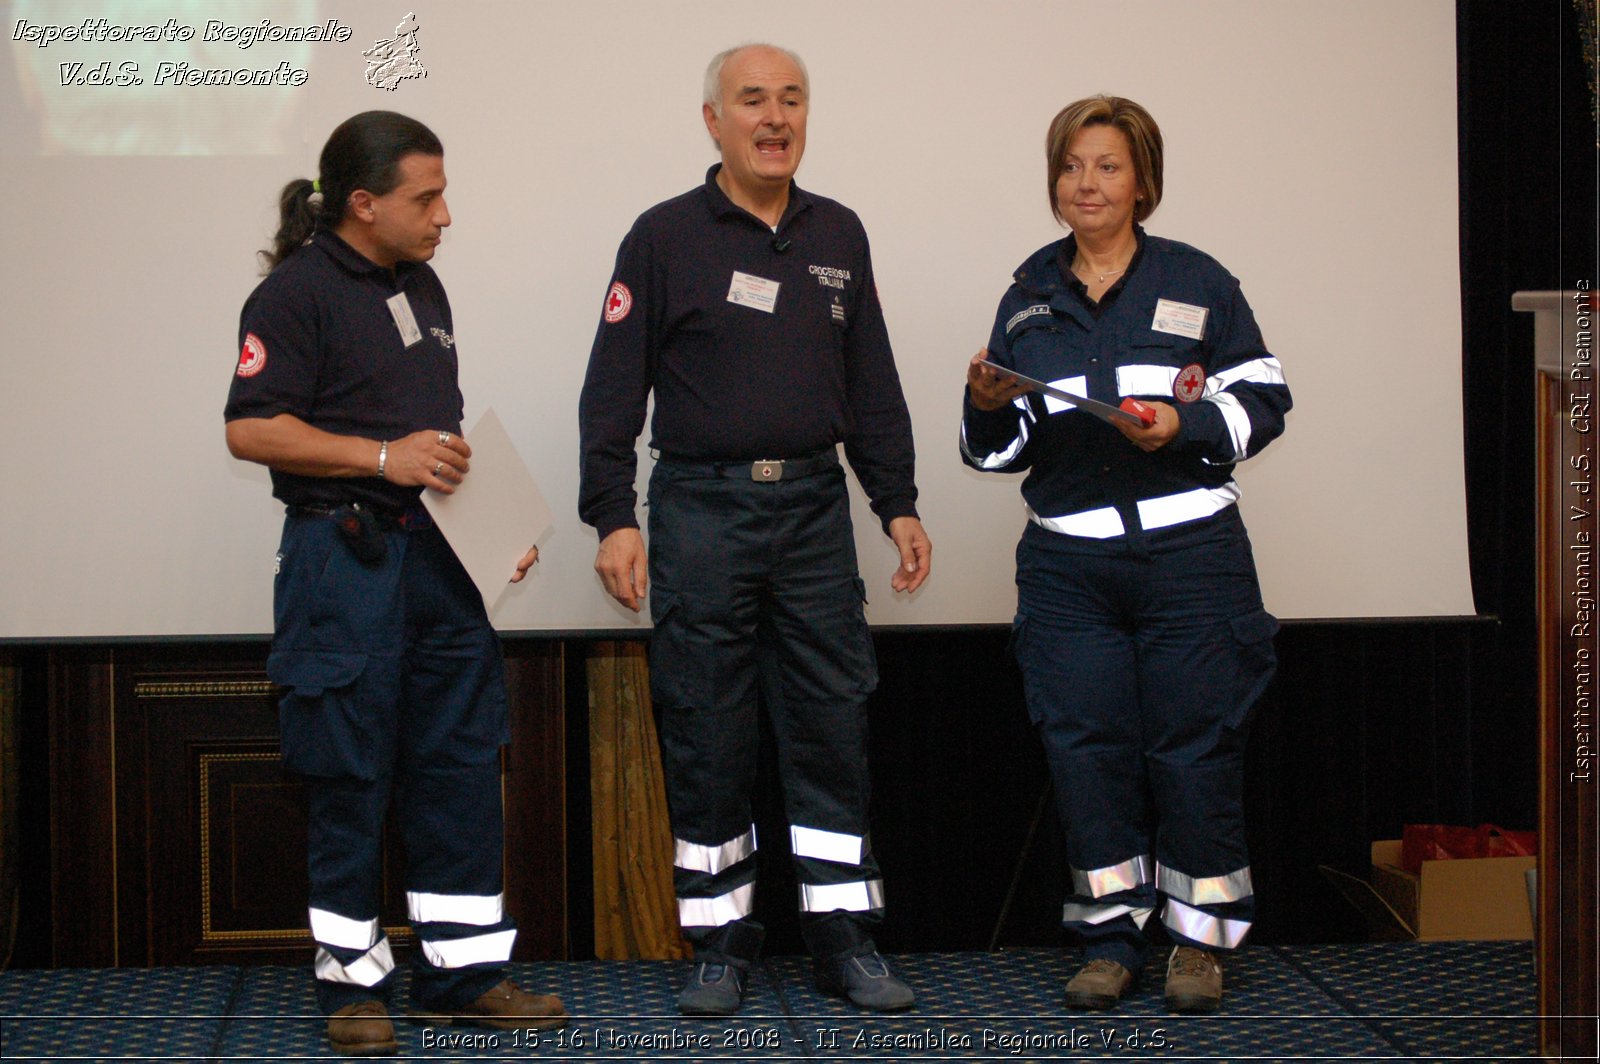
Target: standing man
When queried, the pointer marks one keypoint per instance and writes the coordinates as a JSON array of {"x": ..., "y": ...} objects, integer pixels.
[
  {"x": 393, "y": 682},
  {"x": 749, "y": 307}
]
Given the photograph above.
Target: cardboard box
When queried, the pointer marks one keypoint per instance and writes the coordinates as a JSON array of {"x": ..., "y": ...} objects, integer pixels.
[{"x": 1467, "y": 898}]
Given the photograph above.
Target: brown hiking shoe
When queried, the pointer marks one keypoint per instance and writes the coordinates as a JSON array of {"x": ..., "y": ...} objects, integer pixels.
[
  {"x": 1098, "y": 985},
  {"x": 507, "y": 1007},
  {"x": 1194, "y": 980},
  {"x": 362, "y": 1030}
]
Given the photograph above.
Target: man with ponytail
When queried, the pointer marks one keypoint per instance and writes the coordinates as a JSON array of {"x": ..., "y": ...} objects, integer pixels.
[{"x": 393, "y": 685}]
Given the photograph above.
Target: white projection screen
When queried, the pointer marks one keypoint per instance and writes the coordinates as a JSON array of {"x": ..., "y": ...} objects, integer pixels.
[{"x": 1311, "y": 147}]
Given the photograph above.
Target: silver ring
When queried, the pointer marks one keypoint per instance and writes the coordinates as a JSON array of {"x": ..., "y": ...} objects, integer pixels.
[
  {"x": 444, "y": 439},
  {"x": 438, "y": 469}
]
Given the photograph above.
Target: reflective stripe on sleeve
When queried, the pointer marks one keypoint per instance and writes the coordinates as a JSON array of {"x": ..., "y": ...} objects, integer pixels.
[
  {"x": 714, "y": 912},
  {"x": 999, "y": 459},
  {"x": 1236, "y": 421},
  {"x": 480, "y": 910},
  {"x": 366, "y": 970},
  {"x": 1234, "y": 417},
  {"x": 713, "y": 859},
  {"x": 462, "y": 952},
  {"x": 335, "y": 930},
  {"x": 1125, "y": 875},
  {"x": 1202, "y": 927},
  {"x": 1077, "y": 913},
  {"x": 1257, "y": 371},
  {"x": 826, "y": 845},
  {"x": 859, "y": 897},
  {"x": 1207, "y": 890}
]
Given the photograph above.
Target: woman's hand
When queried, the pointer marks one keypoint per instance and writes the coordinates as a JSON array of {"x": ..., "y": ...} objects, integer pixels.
[
  {"x": 1156, "y": 436},
  {"x": 990, "y": 390}
]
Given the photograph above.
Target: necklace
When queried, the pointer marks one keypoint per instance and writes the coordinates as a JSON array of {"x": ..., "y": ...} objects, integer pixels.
[{"x": 1102, "y": 276}]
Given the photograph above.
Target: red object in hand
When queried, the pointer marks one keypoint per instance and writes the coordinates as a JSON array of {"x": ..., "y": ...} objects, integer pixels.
[{"x": 1145, "y": 414}]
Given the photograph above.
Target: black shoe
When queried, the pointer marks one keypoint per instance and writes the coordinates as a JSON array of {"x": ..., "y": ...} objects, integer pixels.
[
  {"x": 866, "y": 981},
  {"x": 712, "y": 990}
]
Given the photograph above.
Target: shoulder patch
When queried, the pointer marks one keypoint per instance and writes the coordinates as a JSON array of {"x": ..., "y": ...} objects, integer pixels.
[
  {"x": 1190, "y": 383},
  {"x": 618, "y": 302},
  {"x": 1026, "y": 313},
  {"x": 253, "y": 356}
]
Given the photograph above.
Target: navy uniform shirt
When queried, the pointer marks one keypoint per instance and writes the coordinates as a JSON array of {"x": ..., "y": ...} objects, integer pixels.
[
  {"x": 1227, "y": 389},
  {"x": 736, "y": 377},
  {"x": 318, "y": 340}
]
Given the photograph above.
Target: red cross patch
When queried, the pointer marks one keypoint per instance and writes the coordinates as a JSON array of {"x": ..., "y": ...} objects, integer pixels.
[
  {"x": 618, "y": 302},
  {"x": 1189, "y": 384},
  {"x": 253, "y": 357}
]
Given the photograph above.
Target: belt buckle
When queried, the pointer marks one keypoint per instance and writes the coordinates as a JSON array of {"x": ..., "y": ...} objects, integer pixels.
[{"x": 766, "y": 472}]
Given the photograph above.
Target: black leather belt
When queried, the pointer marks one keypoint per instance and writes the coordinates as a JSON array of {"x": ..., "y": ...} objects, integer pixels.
[
  {"x": 762, "y": 471},
  {"x": 411, "y": 519}
]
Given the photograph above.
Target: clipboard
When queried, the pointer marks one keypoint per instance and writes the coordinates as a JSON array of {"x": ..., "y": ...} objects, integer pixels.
[{"x": 1131, "y": 412}]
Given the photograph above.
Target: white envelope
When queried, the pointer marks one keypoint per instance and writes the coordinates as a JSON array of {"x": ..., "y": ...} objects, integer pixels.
[{"x": 495, "y": 514}]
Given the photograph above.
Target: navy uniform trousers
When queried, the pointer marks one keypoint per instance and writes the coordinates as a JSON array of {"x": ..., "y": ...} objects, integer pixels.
[
  {"x": 757, "y": 600},
  {"x": 1141, "y": 667},
  {"x": 395, "y": 693}
]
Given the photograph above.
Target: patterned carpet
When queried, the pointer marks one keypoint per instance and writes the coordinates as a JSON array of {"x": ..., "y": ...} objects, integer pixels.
[{"x": 1382, "y": 1001}]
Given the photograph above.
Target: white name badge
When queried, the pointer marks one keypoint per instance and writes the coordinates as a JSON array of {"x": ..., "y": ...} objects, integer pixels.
[
  {"x": 748, "y": 290},
  {"x": 404, "y": 320},
  {"x": 1179, "y": 319}
]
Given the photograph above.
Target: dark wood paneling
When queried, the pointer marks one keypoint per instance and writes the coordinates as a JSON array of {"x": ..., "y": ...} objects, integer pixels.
[
  {"x": 83, "y": 807},
  {"x": 178, "y": 838},
  {"x": 535, "y": 790},
  {"x": 1568, "y": 828}
]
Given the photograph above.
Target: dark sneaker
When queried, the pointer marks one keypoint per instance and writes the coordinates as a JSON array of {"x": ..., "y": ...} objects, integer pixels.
[
  {"x": 867, "y": 981},
  {"x": 507, "y": 1007},
  {"x": 712, "y": 990},
  {"x": 362, "y": 1030},
  {"x": 1194, "y": 980},
  {"x": 1098, "y": 985}
]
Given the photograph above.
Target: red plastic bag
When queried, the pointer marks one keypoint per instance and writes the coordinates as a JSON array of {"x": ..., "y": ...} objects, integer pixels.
[{"x": 1441, "y": 842}]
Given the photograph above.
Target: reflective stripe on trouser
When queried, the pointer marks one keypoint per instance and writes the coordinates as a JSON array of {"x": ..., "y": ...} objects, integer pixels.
[
  {"x": 1102, "y": 895},
  {"x": 757, "y": 603},
  {"x": 835, "y": 876},
  {"x": 350, "y": 951},
  {"x": 1140, "y": 675},
  {"x": 461, "y": 930},
  {"x": 715, "y": 883},
  {"x": 454, "y": 906},
  {"x": 394, "y": 697}
]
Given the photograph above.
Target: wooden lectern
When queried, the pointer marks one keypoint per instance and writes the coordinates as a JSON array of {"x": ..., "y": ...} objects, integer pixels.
[{"x": 1569, "y": 774}]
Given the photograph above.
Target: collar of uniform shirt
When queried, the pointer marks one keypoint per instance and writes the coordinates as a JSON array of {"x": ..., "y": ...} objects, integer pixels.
[
  {"x": 1064, "y": 256},
  {"x": 355, "y": 262},
  {"x": 722, "y": 206}
]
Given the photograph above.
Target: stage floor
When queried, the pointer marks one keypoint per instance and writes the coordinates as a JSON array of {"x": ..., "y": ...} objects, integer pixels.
[{"x": 1395, "y": 1001}]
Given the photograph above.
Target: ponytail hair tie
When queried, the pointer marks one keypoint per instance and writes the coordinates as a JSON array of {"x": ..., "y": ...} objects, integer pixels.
[{"x": 315, "y": 198}]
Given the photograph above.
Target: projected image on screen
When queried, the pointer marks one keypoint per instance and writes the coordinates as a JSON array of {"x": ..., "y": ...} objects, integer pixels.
[
  {"x": 180, "y": 77},
  {"x": 141, "y": 209}
]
